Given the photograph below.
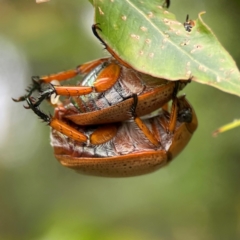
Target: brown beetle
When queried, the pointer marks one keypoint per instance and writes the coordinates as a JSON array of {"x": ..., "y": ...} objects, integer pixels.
[
  {"x": 106, "y": 94},
  {"x": 111, "y": 91},
  {"x": 76, "y": 124},
  {"x": 127, "y": 151},
  {"x": 130, "y": 96}
]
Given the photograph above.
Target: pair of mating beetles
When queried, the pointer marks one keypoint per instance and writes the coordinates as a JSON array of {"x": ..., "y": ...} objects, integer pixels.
[{"x": 116, "y": 121}]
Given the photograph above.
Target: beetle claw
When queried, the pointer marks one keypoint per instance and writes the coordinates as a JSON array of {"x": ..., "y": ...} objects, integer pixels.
[
  {"x": 95, "y": 27},
  {"x": 26, "y": 107},
  {"x": 37, "y": 111},
  {"x": 30, "y": 99},
  {"x": 20, "y": 99},
  {"x": 166, "y": 4}
]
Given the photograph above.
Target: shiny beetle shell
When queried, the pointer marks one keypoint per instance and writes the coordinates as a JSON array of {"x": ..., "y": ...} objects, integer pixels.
[
  {"x": 129, "y": 153},
  {"x": 116, "y": 103}
]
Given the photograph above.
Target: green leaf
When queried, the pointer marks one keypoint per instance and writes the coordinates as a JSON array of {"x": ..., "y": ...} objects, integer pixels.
[{"x": 149, "y": 38}]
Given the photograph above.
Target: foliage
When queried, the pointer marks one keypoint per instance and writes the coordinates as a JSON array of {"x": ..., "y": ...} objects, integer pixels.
[{"x": 151, "y": 40}]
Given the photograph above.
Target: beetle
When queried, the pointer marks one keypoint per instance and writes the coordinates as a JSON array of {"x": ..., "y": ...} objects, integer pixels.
[
  {"x": 109, "y": 86},
  {"x": 107, "y": 92},
  {"x": 127, "y": 151},
  {"x": 133, "y": 95},
  {"x": 111, "y": 91},
  {"x": 83, "y": 121}
]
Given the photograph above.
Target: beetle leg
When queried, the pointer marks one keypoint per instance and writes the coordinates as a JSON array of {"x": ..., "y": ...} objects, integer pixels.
[
  {"x": 146, "y": 131},
  {"x": 38, "y": 112},
  {"x": 134, "y": 106},
  {"x": 181, "y": 111},
  {"x": 172, "y": 121},
  {"x": 104, "y": 81},
  {"x": 101, "y": 135},
  {"x": 44, "y": 95},
  {"x": 141, "y": 124},
  {"x": 166, "y": 4},
  {"x": 173, "y": 116},
  {"x": 38, "y": 81},
  {"x": 79, "y": 70},
  {"x": 95, "y": 27},
  {"x": 58, "y": 124}
]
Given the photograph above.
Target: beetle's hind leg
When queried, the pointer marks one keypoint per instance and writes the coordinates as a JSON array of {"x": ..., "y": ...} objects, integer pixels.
[
  {"x": 149, "y": 135},
  {"x": 180, "y": 111},
  {"x": 99, "y": 136},
  {"x": 57, "y": 124},
  {"x": 173, "y": 117}
]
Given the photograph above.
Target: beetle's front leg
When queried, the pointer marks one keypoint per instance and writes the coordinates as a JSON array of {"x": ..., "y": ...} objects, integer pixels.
[
  {"x": 107, "y": 77},
  {"x": 105, "y": 80},
  {"x": 101, "y": 135},
  {"x": 79, "y": 70},
  {"x": 37, "y": 81}
]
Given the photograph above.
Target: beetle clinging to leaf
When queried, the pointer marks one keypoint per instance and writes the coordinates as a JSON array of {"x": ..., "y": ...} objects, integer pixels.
[{"x": 115, "y": 120}]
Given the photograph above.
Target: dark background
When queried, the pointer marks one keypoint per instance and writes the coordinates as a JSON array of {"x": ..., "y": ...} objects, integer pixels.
[{"x": 196, "y": 197}]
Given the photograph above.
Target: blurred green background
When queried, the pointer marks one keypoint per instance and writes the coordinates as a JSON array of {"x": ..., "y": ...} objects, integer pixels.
[{"x": 196, "y": 197}]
